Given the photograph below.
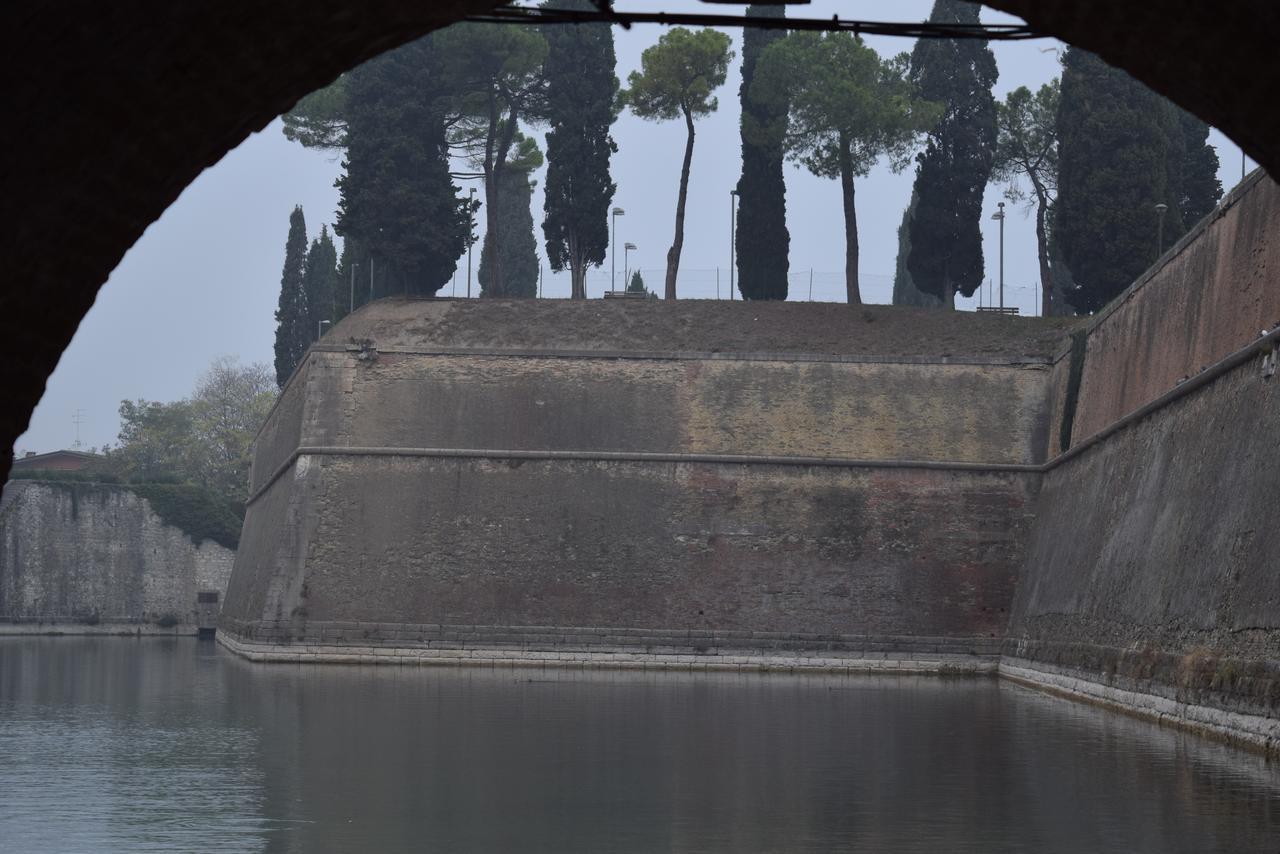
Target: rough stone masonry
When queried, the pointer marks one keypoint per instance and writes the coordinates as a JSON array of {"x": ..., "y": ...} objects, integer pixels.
[{"x": 794, "y": 485}]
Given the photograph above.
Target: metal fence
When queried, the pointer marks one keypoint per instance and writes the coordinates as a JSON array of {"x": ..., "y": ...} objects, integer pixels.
[{"x": 803, "y": 285}]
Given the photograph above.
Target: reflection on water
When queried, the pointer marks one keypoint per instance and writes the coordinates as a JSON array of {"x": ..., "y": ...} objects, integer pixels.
[{"x": 172, "y": 745}]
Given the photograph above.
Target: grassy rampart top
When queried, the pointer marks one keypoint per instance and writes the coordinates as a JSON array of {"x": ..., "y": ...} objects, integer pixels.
[{"x": 705, "y": 326}]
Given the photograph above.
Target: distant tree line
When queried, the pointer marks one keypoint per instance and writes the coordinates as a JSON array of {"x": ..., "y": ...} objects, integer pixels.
[{"x": 1092, "y": 156}]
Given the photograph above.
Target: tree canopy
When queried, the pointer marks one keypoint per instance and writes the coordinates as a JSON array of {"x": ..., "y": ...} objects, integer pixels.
[
  {"x": 848, "y": 108},
  {"x": 1027, "y": 147},
  {"x": 398, "y": 201},
  {"x": 677, "y": 78},
  {"x": 495, "y": 74},
  {"x": 293, "y": 318},
  {"x": 516, "y": 242},
  {"x": 204, "y": 440},
  {"x": 1123, "y": 150},
  {"x": 762, "y": 241},
  {"x": 945, "y": 253},
  {"x": 581, "y": 106}
]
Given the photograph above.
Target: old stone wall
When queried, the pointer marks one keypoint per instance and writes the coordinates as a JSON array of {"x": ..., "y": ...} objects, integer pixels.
[
  {"x": 1210, "y": 295},
  {"x": 95, "y": 556},
  {"x": 1151, "y": 567},
  {"x": 729, "y": 547},
  {"x": 446, "y": 483}
]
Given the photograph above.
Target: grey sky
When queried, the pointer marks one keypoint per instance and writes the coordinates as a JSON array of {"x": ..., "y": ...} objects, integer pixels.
[{"x": 204, "y": 279}]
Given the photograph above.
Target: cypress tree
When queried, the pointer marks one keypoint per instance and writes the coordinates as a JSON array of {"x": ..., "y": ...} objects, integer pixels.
[
  {"x": 905, "y": 291},
  {"x": 582, "y": 103},
  {"x": 516, "y": 242},
  {"x": 953, "y": 170},
  {"x": 1119, "y": 143},
  {"x": 292, "y": 318},
  {"x": 397, "y": 199},
  {"x": 320, "y": 279},
  {"x": 762, "y": 241}
]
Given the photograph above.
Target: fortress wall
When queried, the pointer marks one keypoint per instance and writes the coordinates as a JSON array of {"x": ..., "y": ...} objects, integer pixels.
[
  {"x": 1152, "y": 562},
  {"x": 281, "y": 433},
  {"x": 879, "y": 410},
  {"x": 670, "y": 546},
  {"x": 1151, "y": 567},
  {"x": 1209, "y": 296},
  {"x": 82, "y": 556}
]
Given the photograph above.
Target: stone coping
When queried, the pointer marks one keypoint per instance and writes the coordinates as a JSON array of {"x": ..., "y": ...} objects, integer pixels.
[
  {"x": 694, "y": 650},
  {"x": 36, "y": 627},
  {"x": 661, "y": 658},
  {"x": 1253, "y": 732}
]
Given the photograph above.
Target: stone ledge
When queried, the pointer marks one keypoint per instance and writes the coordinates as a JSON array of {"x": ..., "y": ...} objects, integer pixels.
[
  {"x": 741, "y": 660},
  {"x": 1254, "y": 732}
]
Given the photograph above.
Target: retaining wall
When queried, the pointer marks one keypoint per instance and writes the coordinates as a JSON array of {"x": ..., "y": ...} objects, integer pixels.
[{"x": 95, "y": 558}]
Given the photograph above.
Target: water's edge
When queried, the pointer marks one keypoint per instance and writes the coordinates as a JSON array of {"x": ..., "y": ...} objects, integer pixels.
[{"x": 1254, "y": 733}]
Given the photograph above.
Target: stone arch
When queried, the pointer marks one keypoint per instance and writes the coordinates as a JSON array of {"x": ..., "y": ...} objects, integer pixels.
[{"x": 117, "y": 107}]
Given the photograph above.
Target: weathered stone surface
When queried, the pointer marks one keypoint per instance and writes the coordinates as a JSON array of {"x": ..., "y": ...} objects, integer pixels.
[
  {"x": 1210, "y": 296},
  {"x": 93, "y": 555},
  {"x": 428, "y": 493}
]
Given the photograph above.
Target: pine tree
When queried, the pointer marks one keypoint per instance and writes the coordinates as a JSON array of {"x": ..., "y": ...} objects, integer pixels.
[
  {"x": 320, "y": 280},
  {"x": 516, "y": 241},
  {"x": 762, "y": 239},
  {"x": 1028, "y": 147},
  {"x": 582, "y": 95},
  {"x": 292, "y": 318},
  {"x": 848, "y": 107},
  {"x": 636, "y": 285},
  {"x": 398, "y": 201},
  {"x": 677, "y": 77},
  {"x": 496, "y": 75},
  {"x": 953, "y": 170},
  {"x": 1117, "y": 143}
]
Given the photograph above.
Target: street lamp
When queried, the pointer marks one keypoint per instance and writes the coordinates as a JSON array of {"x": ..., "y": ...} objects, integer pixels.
[
  {"x": 471, "y": 234},
  {"x": 613, "y": 258},
  {"x": 320, "y": 328},
  {"x": 733, "y": 236},
  {"x": 626, "y": 264},
  {"x": 1000, "y": 216},
  {"x": 1160, "y": 209}
]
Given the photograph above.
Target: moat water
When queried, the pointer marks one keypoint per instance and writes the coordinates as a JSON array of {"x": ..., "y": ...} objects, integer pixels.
[{"x": 171, "y": 745}]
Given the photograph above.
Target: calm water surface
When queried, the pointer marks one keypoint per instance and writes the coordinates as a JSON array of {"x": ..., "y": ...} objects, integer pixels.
[{"x": 173, "y": 745}]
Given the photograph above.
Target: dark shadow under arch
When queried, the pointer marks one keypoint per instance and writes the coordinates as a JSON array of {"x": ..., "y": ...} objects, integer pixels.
[{"x": 115, "y": 108}]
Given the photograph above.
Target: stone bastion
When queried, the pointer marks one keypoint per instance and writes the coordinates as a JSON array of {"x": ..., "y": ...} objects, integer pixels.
[{"x": 1085, "y": 505}]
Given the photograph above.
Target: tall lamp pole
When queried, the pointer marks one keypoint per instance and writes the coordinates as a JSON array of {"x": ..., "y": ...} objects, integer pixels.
[
  {"x": 1160, "y": 209},
  {"x": 353, "y": 286},
  {"x": 626, "y": 264},
  {"x": 613, "y": 256},
  {"x": 1000, "y": 216},
  {"x": 471, "y": 233},
  {"x": 733, "y": 237}
]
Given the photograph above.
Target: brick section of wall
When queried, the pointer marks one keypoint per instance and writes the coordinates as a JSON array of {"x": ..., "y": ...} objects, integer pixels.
[
  {"x": 888, "y": 411},
  {"x": 84, "y": 553},
  {"x": 1210, "y": 296},
  {"x": 716, "y": 547}
]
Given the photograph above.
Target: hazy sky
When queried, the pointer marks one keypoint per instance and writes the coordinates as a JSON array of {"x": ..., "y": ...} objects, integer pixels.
[{"x": 204, "y": 279}]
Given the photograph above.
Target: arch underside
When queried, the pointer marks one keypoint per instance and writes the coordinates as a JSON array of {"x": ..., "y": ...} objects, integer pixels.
[{"x": 120, "y": 107}]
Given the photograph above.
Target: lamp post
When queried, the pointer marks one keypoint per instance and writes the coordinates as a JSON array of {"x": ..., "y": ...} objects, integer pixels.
[
  {"x": 733, "y": 237},
  {"x": 626, "y": 265},
  {"x": 1000, "y": 216},
  {"x": 613, "y": 257},
  {"x": 471, "y": 234},
  {"x": 320, "y": 328},
  {"x": 353, "y": 286},
  {"x": 1160, "y": 209}
]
